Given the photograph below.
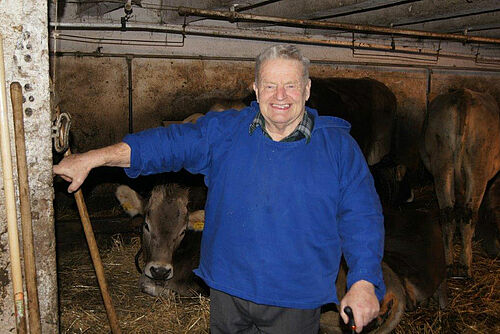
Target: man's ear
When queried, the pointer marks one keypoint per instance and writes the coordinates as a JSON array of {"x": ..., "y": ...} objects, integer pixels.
[
  {"x": 308, "y": 89},
  {"x": 256, "y": 90}
]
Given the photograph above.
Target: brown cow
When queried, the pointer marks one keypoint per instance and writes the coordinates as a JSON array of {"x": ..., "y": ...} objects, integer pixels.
[
  {"x": 391, "y": 309},
  {"x": 461, "y": 149},
  {"x": 488, "y": 226},
  {"x": 413, "y": 267},
  {"x": 170, "y": 245},
  {"x": 224, "y": 104},
  {"x": 367, "y": 104},
  {"x": 218, "y": 105},
  {"x": 414, "y": 250}
]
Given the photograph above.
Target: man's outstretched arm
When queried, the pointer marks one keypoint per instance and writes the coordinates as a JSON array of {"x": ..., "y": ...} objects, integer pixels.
[{"x": 76, "y": 167}]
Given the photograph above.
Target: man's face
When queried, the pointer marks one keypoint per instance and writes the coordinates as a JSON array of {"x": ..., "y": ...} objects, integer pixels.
[{"x": 282, "y": 94}]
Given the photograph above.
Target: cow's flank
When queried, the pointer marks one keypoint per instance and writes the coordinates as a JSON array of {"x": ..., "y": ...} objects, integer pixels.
[{"x": 461, "y": 149}]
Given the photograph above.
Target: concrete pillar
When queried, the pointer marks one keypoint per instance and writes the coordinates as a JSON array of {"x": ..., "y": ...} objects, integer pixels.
[{"x": 24, "y": 27}]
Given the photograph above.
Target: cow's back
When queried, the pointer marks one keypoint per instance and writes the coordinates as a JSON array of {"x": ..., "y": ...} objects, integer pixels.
[{"x": 367, "y": 104}]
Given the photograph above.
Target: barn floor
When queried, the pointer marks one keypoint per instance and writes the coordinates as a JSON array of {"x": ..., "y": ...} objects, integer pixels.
[{"x": 474, "y": 305}]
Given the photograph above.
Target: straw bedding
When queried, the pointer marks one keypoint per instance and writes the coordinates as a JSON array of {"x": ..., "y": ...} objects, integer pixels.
[{"x": 474, "y": 305}]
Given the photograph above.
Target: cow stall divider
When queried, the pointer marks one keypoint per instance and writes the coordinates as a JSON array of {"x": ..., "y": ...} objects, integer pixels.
[
  {"x": 60, "y": 136},
  {"x": 10, "y": 204}
]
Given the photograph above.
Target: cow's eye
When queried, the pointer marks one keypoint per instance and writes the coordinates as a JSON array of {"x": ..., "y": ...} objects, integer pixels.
[
  {"x": 145, "y": 225},
  {"x": 182, "y": 233}
]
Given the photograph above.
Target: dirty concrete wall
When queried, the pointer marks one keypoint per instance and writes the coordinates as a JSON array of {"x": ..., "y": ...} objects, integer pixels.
[
  {"x": 23, "y": 25},
  {"x": 94, "y": 91}
]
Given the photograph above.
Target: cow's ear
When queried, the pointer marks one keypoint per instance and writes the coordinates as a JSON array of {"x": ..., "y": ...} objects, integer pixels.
[
  {"x": 196, "y": 220},
  {"x": 130, "y": 200},
  {"x": 400, "y": 172}
]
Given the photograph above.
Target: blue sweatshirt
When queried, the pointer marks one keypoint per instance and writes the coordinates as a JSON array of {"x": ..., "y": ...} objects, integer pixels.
[{"x": 278, "y": 215}]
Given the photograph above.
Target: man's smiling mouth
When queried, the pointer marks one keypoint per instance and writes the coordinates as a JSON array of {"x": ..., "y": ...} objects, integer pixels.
[{"x": 280, "y": 106}]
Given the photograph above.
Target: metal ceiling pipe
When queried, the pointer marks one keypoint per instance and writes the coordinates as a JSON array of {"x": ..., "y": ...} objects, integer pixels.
[
  {"x": 256, "y": 5},
  {"x": 266, "y": 36},
  {"x": 234, "y": 16},
  {"x": 360, "y": 7},
  {"x": 247, "y": 59}
]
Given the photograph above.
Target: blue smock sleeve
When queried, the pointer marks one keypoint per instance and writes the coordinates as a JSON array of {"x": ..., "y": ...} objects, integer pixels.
[
  {"x": 361, "y": 222},
  {"x": 168, "y": 149}
]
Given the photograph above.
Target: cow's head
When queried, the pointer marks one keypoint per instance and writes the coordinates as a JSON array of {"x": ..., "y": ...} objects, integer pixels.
[
  {"x": 392, "y": 182},
  {"x": 166, "y": 219}
]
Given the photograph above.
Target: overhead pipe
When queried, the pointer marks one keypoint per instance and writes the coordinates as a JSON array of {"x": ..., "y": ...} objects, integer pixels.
[
  {"x": 360, "y": 7},
  {"x": 233, "y": 16},
  {"x": 255, "y": 5},
  {"x": 252, "y": 59},
  {"x": 265, "y": 36},
  {"x": 487, "y": 10}
]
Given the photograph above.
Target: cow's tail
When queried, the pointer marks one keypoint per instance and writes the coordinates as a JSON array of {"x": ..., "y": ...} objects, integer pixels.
[{"x": 460, "y": 100}]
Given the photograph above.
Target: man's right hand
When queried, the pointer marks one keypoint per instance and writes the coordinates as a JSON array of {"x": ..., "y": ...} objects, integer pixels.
[{"x": 74, "y": 168}]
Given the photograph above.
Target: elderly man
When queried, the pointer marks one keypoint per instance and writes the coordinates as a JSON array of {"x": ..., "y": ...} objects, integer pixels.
[{"x": 289, "y": 193}]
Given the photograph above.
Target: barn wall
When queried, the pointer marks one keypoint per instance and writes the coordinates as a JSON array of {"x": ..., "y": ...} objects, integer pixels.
[
  {"x": 94, "y": 91},
  {"x": 23, "y": 25}
]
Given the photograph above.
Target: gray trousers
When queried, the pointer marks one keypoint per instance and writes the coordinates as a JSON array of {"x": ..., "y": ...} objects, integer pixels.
[{"x": 231, "y": 315}]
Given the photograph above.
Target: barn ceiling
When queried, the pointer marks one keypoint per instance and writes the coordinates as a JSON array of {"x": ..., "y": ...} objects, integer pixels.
[
  {"x": 465, "y": 21},
  {"x": 470, "y": 17}
]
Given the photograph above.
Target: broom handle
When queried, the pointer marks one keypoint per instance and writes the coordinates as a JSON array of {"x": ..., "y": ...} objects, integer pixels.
[
  {"x": 16, "y": 96},
  {"x": 96, "y": 258},
  {"x": 10, "y": 204}
]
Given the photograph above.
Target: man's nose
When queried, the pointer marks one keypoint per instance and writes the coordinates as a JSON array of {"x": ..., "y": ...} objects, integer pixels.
[{"x": 280, "y": 92}]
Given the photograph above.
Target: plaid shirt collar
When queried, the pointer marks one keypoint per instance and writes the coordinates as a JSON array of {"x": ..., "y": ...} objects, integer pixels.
[{"x": 303, "y": 130}]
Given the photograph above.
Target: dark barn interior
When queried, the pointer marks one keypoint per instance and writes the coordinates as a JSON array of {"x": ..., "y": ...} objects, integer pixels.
[
  {"x": 127, "y": 87},
  {"x": 119, "y": 67}
]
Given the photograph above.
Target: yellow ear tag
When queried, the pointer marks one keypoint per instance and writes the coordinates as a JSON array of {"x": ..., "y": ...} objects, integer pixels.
[
  {"x": 198, "y": 225},
  {"x": 127, "y": 206}
]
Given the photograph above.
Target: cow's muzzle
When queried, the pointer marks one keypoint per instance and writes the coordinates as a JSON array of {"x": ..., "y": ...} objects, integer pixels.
[{"x": 159, "y": 271}]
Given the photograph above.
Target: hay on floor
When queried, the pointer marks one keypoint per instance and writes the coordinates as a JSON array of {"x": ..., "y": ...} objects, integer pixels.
[
  {"x": 474, "y": 306},
  {"x": 82, "y": 309}
]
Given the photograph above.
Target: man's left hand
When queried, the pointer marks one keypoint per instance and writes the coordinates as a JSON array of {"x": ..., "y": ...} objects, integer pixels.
[{"x": 363, "y": 302}]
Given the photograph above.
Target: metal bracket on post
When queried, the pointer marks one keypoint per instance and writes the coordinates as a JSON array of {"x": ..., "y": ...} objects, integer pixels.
[
  {"x": 60, "y": 132},
  {"x": 127, "y": 8}
]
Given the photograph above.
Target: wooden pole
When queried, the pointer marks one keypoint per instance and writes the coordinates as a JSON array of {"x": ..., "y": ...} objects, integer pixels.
[
  {"x": 10, "y": 204},
  {"x": 96, "y": 259},
  {"x": 16, "y": 96}
]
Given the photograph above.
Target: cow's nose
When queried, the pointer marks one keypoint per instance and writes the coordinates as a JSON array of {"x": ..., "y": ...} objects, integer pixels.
[{"x": 160, "y": 273}]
